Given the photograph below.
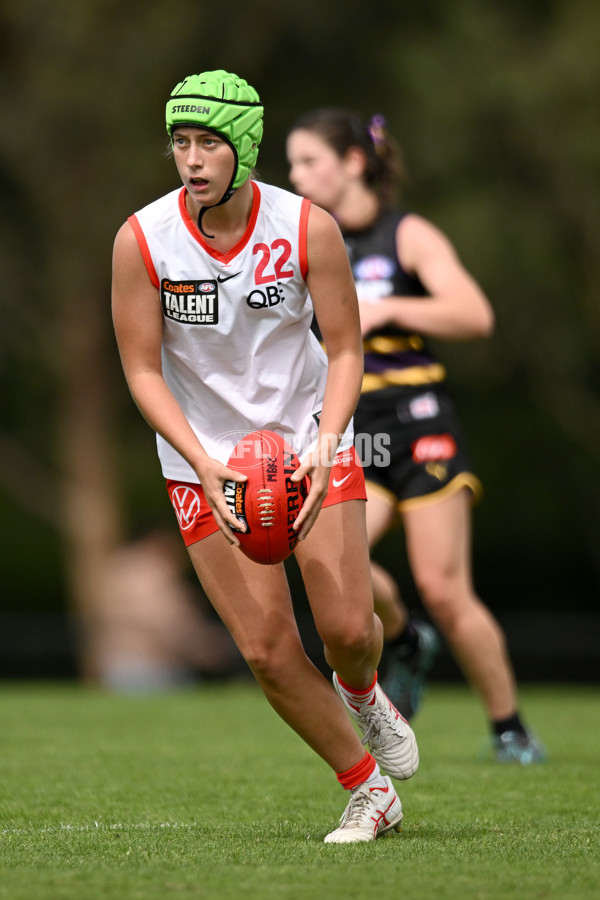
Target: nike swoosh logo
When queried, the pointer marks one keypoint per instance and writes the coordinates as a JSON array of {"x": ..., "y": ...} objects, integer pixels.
[
  {"x": 337, "y": 483},
  {"x": 223, "y": 278}
]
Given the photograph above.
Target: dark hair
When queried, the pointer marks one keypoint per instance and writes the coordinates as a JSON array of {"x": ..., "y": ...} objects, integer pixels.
[{"x": 343, "y": 129}]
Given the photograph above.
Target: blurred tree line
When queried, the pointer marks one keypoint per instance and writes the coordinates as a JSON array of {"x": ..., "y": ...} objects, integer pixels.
[{"x": 495, "y": 106}]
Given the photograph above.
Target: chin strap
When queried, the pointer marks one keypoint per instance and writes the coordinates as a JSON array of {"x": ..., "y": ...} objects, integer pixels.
[{"x": 226, "y": 196}]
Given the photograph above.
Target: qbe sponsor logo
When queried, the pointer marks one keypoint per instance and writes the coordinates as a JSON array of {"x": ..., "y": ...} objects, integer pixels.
[
  {"x": 186, "y": 503},
  {"x": 190, "y": 302},
  {"x": 263, "y": 298}
]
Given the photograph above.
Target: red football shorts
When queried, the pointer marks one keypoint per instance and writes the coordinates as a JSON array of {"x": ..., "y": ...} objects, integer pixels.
[{"x": 195, "y": 518}]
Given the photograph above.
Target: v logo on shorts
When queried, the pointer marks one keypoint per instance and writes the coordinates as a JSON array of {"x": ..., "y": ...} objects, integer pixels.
[{"x": 186, "y": 504}]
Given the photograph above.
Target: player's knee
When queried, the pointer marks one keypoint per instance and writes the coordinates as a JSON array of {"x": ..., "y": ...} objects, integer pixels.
[
  {"x": 269, "y": 657},
  {"x": 350, "y": 638},
  {"x": 441, "y": 595}
]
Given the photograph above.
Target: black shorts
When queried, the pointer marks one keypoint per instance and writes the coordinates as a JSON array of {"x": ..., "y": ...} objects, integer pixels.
[{"x": 426, "y": 454}]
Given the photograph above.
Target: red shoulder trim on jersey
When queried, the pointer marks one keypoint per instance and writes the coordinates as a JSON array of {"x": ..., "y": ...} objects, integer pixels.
[
  {"x": 144, "y": 249},
  {"x": 303, "y": 237},
  {"x": 231, "y": 254}
]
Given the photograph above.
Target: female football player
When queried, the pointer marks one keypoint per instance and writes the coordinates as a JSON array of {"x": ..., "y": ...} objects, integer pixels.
[
  {"x": 212, "y": 316},
  {"x": 411, "y": 288}
]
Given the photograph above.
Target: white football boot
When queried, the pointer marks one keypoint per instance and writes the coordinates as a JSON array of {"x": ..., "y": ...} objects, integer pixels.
[
  {"x": 391, "y": 740},
  {"x": 370, "y": 812}
]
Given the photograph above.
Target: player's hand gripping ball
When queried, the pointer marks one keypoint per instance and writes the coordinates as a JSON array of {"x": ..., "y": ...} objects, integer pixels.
[{"x": 267, "y": 503}]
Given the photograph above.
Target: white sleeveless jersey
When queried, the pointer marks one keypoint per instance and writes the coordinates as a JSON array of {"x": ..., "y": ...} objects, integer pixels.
[{"x": 237, "y": 351}]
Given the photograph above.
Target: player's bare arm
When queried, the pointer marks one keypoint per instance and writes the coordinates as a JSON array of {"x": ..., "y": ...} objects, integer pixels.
[
  {"x": 138, "y": 326},
  {"x": 334, "y": 299},
  {"x": 456, "y": 308}
]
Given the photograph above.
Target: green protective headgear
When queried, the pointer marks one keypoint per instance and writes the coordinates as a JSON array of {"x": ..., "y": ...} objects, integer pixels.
[{"x": 221, "y": 102}]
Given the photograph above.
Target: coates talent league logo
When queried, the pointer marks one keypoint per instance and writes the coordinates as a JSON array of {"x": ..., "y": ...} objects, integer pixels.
[{"x": 190, "y": 302}]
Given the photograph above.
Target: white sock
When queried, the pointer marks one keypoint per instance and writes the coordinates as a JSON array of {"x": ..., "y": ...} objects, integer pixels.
[
  {"x": 376, "y": 779},
  {"x": 357, "y": 697}
]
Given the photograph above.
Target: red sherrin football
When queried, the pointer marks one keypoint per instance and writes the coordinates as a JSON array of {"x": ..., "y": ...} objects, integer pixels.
[{"x": 269, "y": 501}]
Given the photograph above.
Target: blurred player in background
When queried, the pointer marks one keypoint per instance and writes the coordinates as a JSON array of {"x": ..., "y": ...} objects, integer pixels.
[
  {"x": 153, "y": 629},
  {"x": 212, "y": 315},
  {"x": 412, "y": 287}
]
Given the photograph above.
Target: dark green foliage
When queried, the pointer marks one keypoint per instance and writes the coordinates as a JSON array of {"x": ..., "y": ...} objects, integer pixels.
[{"x": 495, "y": 106}]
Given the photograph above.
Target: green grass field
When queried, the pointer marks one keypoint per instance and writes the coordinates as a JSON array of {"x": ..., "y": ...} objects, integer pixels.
[{"x": 204, "y": 793}]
